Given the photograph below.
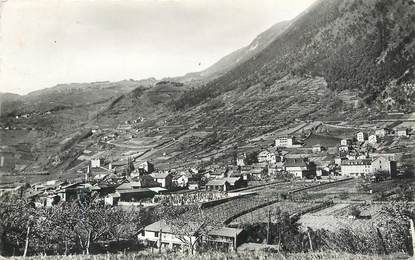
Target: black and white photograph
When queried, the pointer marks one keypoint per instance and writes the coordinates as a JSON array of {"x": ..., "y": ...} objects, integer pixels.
[{"x": 207, "y": 129}]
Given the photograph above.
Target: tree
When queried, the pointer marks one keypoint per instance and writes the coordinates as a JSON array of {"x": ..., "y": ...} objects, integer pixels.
[
  {"x": 355, "y": 212},
  {"x": 252, "y": 158},
  {"x": 16, "y": 224},
  {"x": 63, "y": 228},
  {"x": 192, "y": 226}
]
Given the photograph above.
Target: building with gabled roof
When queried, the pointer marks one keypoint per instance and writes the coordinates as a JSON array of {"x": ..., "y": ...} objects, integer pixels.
[
  {"x": 218, "y": 185},
  {"x": 297, "y": 167},
  {"x": 164, "y": 178},
  {"x": 164, "y": 235},
  {"x": 356, "y": 168}
]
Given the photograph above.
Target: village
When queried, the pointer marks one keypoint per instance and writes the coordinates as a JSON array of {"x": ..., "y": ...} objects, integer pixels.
[{"x": 298, "y": 168}]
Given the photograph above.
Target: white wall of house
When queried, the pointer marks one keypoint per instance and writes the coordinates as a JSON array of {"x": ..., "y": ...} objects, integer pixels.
[
  {"x": 162, "y": 182},
  {"x": 361, "y": 137},
  {"x": 381, "y": 165},
  {"x": 380, "y": 132},
  {"x": 402, "y": 132},
  {"x": 296, "y": 171},
  {"x": 345, "y": 142},
  {"x": 373, "y": 139},
  {"x": 165, "y": 237},
  {"x": 284, "y": 142},
  {"x": 95, "y": 163},
  {"x": 356, "y": 170}
]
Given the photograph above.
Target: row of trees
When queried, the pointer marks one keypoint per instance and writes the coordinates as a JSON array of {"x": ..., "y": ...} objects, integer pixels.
[{"x": 67, "y": 228}]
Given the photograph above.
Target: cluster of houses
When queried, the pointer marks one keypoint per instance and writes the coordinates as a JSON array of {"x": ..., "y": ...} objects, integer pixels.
[
  {"x": 111, "y": 182},
  {"x": 349, "y": 158}
]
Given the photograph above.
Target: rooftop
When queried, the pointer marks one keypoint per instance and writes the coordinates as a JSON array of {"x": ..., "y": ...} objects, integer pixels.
[
  {"x": 226, "y": 232},
  {"x": 295, "y": 163},
  {"x": 160, "y": 175},
  {"x": 129, "y": 185},
  {"x": 216, "y": 182}
]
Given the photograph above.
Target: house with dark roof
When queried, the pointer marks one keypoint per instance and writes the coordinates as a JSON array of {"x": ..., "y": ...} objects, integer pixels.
[
  {"x": 164, "y": 178},
  {"x": 145, "y": 167},
  {"x": 74, "y": 191},
  {"x": 135, "y": 194},
  {"x": 298, "y": 167},
  {"x": 225, "y": 184},
  {"x": 163, "y": 235},
  {"x": 218, "y": 185}
]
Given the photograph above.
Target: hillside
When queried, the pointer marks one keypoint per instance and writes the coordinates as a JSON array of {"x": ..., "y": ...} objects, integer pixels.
[
  {"x": 239, "y": 56},
  {"x": 144, "y": 102},
  {"x": 358, "y": 45},
  {"x": 67, "y": 96}
]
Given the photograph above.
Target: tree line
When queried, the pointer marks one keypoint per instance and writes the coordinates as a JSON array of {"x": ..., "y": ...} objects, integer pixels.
[{"x": 68, "y": 228}]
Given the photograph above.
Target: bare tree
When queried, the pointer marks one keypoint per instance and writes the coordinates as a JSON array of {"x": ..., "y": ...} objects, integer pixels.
[{"x": 192, "y": 226}]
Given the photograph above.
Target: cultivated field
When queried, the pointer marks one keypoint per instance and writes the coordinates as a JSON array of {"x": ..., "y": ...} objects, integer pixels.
[{"x": 337, "y": 217}]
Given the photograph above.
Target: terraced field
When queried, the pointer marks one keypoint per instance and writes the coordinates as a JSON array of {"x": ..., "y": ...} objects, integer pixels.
[
  {"x": 225, "y": 211},
  {"x": 261, "y": 215},
  {"x": 266, "y": 197}
]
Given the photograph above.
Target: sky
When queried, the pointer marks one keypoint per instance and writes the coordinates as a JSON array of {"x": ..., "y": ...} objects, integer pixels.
[{"x": 48, "y": 42}]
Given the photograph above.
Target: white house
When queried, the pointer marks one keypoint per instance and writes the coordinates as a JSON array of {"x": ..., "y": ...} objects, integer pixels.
[
  {"x": 384, "y": 165},
  {"x": 344, "y": 148},
  {"x": 362, "y": 168},
  {"x": 181, "y": 180},
  {"x": 297, "y": 167},
  {"x": 193, "y": 185},
  {"x": 145, "y": 167},
  {"x": 267, "y": 156},
  {"x": 356, "y": 168},
  {"x": 381, "y": 132},
  {"x": 317, "y": 148},
  {"x": 284, "y": 141},
  {"x": 373, "y": 139},
  {"x": 361, "y": 137},
  {"x": 241, "y": 160},
  {"x": 97, "y": 162},
  {"x": 112, "y": 199},
  {"x": 165, "y": 236},
  {"x": 345, "y": 142},
  {"x": 402, "y": 132},
  {"x": 164, "y": 178}
]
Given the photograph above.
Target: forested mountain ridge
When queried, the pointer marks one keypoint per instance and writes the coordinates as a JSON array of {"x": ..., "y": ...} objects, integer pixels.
[{"x": 360, "y": 45}]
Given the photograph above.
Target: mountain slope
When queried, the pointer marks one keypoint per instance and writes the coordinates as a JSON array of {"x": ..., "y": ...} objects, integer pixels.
[
  {"x": 237, "y": 57},
  {"x": 354, "y": 44},
  {"x": 68, "y": 96},
  {"x": 240, "y": 56}
]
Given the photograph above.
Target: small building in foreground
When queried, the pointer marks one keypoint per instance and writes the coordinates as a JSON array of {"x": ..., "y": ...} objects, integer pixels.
[{"x": 163, "y": 235}]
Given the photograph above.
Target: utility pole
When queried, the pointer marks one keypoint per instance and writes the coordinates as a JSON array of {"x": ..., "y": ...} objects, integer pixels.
[
  {"x": 411, "y": 222},
  {"x": 309, "y": 240},
  {"x": 160, "y": 235},
  {"x": 269, "y": 227}
]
